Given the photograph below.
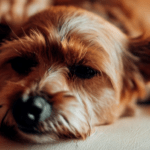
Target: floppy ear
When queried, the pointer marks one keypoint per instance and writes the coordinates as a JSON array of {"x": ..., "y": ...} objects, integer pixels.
[{"x": 141, "y": 49}]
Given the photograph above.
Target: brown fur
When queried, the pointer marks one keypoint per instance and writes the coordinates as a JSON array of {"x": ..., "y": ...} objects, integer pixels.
[{"x": 57, "y": 39}]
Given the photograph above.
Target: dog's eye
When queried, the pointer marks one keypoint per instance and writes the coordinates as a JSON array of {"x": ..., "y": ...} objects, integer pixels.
[
  {"x": 84, "y": 72},
  {"x": 22, "y": 65}
]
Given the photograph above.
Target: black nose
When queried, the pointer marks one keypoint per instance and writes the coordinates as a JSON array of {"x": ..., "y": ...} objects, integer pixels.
[{"x": 30, "y": 111}]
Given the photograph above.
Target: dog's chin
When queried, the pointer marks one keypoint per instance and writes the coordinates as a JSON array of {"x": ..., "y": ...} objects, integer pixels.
[
  {"x": 12, "y": 131},
  {"x": 38, "y": 134},
  {"x": 18, "y": 134},
  {"x": 40, "y": 138}
]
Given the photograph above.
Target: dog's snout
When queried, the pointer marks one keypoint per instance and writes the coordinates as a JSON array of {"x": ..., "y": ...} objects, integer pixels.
[{"x": 28, "y": 113}]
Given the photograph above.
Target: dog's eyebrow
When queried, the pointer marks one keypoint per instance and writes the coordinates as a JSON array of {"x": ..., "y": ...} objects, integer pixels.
[
  {"x": 90, "y": 59},
  {"x": 85, "y": 53}
]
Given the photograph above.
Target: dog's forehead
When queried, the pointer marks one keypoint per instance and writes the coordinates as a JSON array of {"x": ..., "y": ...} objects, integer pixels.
[
  {"x": 70, "y": 35},
  {"x": 75, "y": 31}
]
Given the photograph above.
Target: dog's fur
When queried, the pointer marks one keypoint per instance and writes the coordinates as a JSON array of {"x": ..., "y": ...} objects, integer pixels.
[{"x": 59, "y": 39}]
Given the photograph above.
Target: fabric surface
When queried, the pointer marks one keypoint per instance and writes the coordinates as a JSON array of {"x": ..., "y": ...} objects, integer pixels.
[{"x": 128, "y": 133}]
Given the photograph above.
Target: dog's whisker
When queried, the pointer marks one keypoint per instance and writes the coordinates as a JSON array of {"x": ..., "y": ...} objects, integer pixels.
[{"x": 3, "y": 119}]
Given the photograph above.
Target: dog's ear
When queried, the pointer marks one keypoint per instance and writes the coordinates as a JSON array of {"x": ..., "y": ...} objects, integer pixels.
[{"x": 140, "y": 48}]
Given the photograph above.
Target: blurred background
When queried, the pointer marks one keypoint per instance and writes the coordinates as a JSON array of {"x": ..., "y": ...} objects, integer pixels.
[{"x": 132, "y": 16}]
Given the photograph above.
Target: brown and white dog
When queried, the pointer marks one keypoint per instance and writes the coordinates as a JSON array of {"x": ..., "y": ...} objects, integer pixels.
[{"x": 66, "y": 71}]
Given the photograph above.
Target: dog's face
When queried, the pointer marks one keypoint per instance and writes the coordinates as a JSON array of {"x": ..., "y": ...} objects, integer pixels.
[{"x": 67, "y": 72}]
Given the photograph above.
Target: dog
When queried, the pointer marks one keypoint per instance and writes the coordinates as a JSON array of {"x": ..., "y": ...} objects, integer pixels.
[{"x": 66, "y": 71}]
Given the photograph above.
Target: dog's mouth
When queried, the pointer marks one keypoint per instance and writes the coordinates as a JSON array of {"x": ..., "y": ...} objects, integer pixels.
[
  {"x": 28, "y": 130},
  {"x": 20, "y": 123},
  {"x": 6, "y": 128},
  {"x": 11, "y": 130},
  {"x": 10, "y": 127},
  {"x": 36, "y": 121}
]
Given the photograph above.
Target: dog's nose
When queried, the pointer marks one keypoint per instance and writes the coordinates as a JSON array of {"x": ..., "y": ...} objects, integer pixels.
[{"x": 30, "y": 111}]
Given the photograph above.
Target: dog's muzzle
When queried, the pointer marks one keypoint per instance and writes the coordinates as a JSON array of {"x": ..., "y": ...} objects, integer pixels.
[{"x": 29, "y": 112}]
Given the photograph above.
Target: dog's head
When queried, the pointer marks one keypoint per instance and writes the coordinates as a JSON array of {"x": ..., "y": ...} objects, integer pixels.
[{"x": 66, "y": 71}]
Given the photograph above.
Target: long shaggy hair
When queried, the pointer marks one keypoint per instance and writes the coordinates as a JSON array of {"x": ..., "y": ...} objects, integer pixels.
[{"x": 88, "y": 71}]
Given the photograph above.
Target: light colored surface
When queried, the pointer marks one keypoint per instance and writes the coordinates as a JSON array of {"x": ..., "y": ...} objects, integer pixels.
[{"x": 129, "y": 133}]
